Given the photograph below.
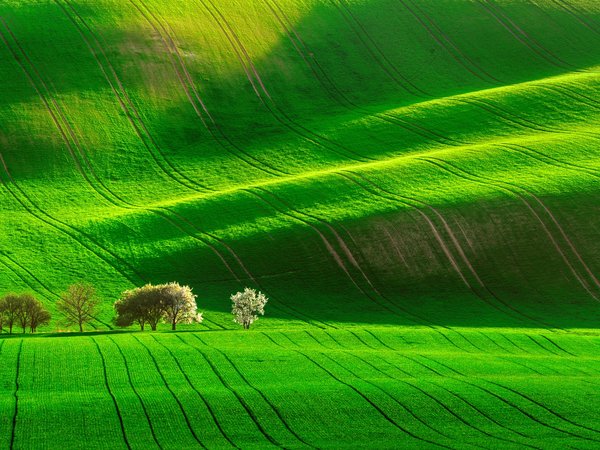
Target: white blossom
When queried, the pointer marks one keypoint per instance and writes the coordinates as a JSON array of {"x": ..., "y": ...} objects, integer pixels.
[{"x": 247, "y": 305}]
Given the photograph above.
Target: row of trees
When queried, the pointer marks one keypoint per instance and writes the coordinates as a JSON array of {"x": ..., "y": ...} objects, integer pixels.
[
  {"x": 147, "y": 305},
  {"x": 23, "y": 310},
  {"x": 77, "y": 306},
  {"x": 175, "y": 304}
]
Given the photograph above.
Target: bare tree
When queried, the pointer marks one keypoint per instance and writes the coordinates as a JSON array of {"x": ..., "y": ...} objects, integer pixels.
[
  {"x": 10, "y": 306},
  {"x": 27, "y": 303},
  {"x": 78, "y": 305},
  {"x": 38, "y": 316}
]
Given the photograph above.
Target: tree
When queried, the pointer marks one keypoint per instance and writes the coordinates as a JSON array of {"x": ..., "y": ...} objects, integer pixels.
[
  {"x": 10, "y": 307},
  {"x": 179, "y": 304},
  {"x": 247, "y": 305},
  {"x": 38, "y": 316},
  {"x": 2, "y": 315},
  {"x": 150, "y": 304},
  {"x": 78, "y": 305},
  {"x": 143, "y": 305},
  {"x": 27, "y": 303}
]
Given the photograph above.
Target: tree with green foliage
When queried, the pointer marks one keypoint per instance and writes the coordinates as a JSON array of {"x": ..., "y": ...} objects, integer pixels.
[
  {"x": 247, "y": 305},
  {"x": 150, "y": 304},
  {"x": 78, "y": 305},
  {"x": 179, "y": 304},
  {"x": 141, "y": 305}
]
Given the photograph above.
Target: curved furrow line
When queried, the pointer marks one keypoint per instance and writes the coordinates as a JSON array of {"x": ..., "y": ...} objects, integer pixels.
[
  {"x": 557, "y": 346},
  {"x": 522, "y": 122},
  {"x": 448, "y": 45},
  {"x": 531, "y": 40},
  {"x": 22, "y": 278},
  {"x": 373, "y": 404},
  {"x": 513, "y": 191},
  {"x": 469, "y": 341},
  {"x": 227, "y": 386},
  {"x": 515, "y": 345},
  {"x": 332, "y": 252},
  {"x": 463, "y": 379},
  {"x": 137, "y": 394},
  {"x": 166, "y": 384},
  {"x": 16, "y": 396},
  {"x": 272, "y": 340},
  {"x": 30, "y": 206},
  {"x": 406, "y": 84},
  {"x": 537, "y": 343},
  {"x": 361, "y": 340},
  {"x": 578, "y": 15},
  {"x": 507, "y": 117},
  {"x": 551, "y": 160},
  {"x": 569, "y": 85},
  {"x": 57, "y": 115},
  {"x": 445, "y": 248},
  {"x": 520, "y": 35},
  {"x": 571, "y": 94},
  {"x": 342, "y": 99},
  {"x": 277, "y": 112},
  {"x": 188, "y": 85},
  {"x": 265, "y": 398},
  {"x": 504, "y": 349},
  {"x": 202, "y": 397},
  {"x": 112, "y": 395},
  {"x": 128, "y": 107},
  {"x": 552, "y": 412}
]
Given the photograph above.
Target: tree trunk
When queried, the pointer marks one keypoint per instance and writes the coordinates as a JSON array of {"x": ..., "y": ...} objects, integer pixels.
[
  {"x": 142, "y": 325},
  {"x": 174, "y": 325},
  {"x": 80, "y": 327},
  {"x": 153, "y": 326}
]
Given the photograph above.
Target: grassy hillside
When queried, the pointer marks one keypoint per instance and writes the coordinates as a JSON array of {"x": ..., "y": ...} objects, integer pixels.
[{"x": 358, "y": 162}]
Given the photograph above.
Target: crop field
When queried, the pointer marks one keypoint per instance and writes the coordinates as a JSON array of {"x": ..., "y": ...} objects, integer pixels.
[
  {"x": 414, "y": 184},
  {"x": 358, "y": 387}
]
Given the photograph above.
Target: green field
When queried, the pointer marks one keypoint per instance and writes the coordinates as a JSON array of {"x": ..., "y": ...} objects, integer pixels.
[{"x": 415, "y": 185}]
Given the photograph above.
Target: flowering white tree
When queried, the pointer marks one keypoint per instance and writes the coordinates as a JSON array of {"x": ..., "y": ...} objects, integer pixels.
[
  {"x": 247, "y": 305},
  {"x": 179, "y": 304}
]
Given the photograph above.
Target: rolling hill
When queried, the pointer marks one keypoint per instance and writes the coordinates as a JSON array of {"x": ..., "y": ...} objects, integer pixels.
[{"x": 424, "y": 166}]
